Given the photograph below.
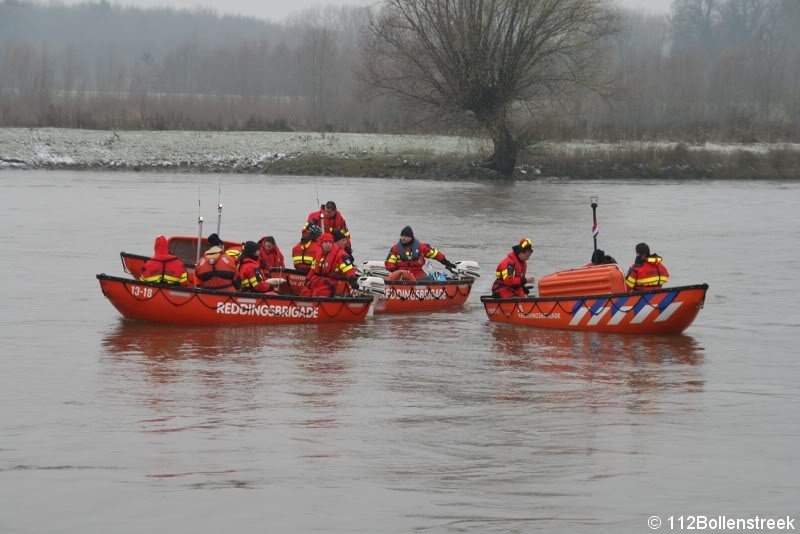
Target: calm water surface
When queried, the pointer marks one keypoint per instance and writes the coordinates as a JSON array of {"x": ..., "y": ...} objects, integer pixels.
[{"x": 435, "y": 422}]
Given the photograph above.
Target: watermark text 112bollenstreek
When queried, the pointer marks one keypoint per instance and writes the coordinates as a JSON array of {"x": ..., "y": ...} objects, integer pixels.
[{"x": 721, "y": 523}]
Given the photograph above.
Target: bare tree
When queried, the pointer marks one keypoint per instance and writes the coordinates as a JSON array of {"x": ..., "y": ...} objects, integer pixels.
[{"x": 495, "y": 59}]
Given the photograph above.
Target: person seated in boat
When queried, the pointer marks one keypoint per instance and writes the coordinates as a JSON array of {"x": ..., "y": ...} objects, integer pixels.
[
  {"x": 234, "y": 251},
  {"x": 217, "y": 271},
  {"x": 407, "y": 257},
  {"x": 164, "y": 267},
  {"x": 334, "y": 265},
  {"x": 307, "y": 251},
  {"x": 599, "y": 257},
  {"x": 250, "y": 270},
  {"x": 510, "y": 273},
  {"x": 333, "y": 220},
  {"x": 647, "y": 272},
  {"x": 341, "y": 241},
  {"x": 269, "y": 254}
]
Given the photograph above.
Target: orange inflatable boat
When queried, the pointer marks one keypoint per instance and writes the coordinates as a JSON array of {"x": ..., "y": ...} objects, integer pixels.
[
  {"x": 407, "y": 297},
  {"x": 163, "y": 303},
  {"x": 595, "y": 299}
]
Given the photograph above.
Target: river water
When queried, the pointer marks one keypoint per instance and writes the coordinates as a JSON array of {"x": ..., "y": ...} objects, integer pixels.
[{"x": 434, "y": 422}]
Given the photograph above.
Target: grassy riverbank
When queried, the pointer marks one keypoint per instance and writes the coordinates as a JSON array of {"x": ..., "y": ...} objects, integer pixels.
[{"x": 408, "y": 156}]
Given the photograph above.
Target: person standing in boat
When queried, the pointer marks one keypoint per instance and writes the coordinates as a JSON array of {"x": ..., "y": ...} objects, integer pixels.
[
  {"x": 647, "y": 272},
  {"x": 234, "y": 251},
  {"x": 334, "y": 265},
  {"x": 269, "y": 254},
  {"x": 163, "y": 267},
  {"x": 510, "y": 273},
  {"x": 217, "y": 271},
  {"x": 250, "y": 270},
  {"x": 307, "y": 251},
  {"x": 332, "y": 219},
  {"x": 407, "y": 257}
]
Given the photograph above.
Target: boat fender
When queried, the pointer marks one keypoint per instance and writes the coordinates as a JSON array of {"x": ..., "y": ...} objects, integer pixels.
[{"x": 275, "y": 282}]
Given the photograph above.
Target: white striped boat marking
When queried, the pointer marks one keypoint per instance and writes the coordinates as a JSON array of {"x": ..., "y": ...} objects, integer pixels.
[
  {"x": 180, "y": 294},
  {"x": 596, "y": 318},
  {"x": 619, "y": 315},
  {"x": 579, "y": 316},
  {"x": 246, "y": 301},
  {"x": 667, "y": 313},
  {"x": 642, "y": 315}
]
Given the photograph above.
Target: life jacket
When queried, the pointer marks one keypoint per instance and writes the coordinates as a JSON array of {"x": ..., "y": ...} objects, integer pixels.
[
  {"x": 509, "y": 272},
  {"x": 272, "y": 259},
  {"x": 648, "y": 274},
  {"x": 217, "y": 271},
  {"x": 305, "y": 254},
  {"x": 164, "y": 267},
  {"x": 336, "y": 261},
  {"x": 331, "y": 223},
  {"x": 407, "y": 260}
]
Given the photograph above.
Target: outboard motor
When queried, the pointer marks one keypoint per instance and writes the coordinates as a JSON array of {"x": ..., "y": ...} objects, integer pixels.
[
  {"x": 467, "y": 269},
  {"x": 372, "y": 285},
  {"x": 374, "y": 268}
]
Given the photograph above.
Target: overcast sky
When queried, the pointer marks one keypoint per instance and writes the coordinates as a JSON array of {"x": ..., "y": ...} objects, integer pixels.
[{"x": 278, "y": 9}]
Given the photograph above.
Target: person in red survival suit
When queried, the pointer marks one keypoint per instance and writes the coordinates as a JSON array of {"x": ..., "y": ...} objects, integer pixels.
[
  {"x": 163, "y": 267},
  {"x": 269, "y": 254},
  {"x": 307, "y": 251},
  {"x": 647, "y": 272},
  {"x": 510, "y": 273},
  {"x": 234, "y": 251},
  {"x": 409, "y": 254},
  {"x": 334, "y": 265},
  {"x": 333, "y": 220},
  {"x": 217, "y": 271},
  {"x": 250, "y": 270}
]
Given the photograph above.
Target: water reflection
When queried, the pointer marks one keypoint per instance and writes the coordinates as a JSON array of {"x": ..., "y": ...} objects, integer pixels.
[
  {"x": 636, "y": 366},
  {"x": 190, "y": 377},
  {"x": 317, "y": 351}
]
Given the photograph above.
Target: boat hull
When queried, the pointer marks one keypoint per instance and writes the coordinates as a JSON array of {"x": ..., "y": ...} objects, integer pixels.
[
  {"x": 659, "y": 311},
  {"x": 160, "y": 303},
  {"x": 409, "y": 297}
]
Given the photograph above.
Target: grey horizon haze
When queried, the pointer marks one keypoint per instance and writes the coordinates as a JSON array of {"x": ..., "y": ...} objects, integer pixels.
[{"x": 277, "y": 10}]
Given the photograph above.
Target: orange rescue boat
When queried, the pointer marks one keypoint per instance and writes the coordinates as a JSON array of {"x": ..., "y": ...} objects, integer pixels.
[
  {"x": 594, "y": 299},
  {"x": 164, "y": 303}
]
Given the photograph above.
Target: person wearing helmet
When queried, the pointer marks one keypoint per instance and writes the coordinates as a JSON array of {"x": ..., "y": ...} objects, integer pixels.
[
  {"x": 250, "y": 270},
  {"x": 307, "y": 251},
  {"x": 163, "y": 267},
  {"x": 333, "y": 265},
  {"x": 409, "y": 255},
  {"x": 647, "y": 272},
  {"x": 510, "y": 280}
]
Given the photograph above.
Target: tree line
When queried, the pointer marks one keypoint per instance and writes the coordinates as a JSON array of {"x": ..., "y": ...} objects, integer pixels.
[{"x": 709, "y": 70}]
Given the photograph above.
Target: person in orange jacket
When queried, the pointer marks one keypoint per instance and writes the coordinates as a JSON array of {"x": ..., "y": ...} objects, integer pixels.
[
  {"x": 250, "y": 270},
  {"x": 647, "y": 272},
  {"x": 510, "y": 277},
  {"x": 334, "y": 265},
  {"x": 307, "y": 251},
  {"x": 164, "y": 267},
  {"x": 217, "y": 271},
  {"x": 269, "y": 254},
  {"x": 409, "y": 254},
  {"x": 332, "y": 219}
]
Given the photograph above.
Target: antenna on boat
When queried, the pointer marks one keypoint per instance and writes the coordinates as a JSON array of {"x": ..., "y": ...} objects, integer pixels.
[
  {"x": 593, "y": 203},
  {"x": 199, "y": 228},
  {"x": 219, "y": 205}
]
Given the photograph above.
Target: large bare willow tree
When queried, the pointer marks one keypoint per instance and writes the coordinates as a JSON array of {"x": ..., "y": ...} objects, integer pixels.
[{"x": 499, "y": 60}]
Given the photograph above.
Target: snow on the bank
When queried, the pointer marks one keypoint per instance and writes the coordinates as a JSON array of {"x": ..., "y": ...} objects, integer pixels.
[
  {"x": 43, "y": 147},
  {"x": 64, "y": 148}
]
